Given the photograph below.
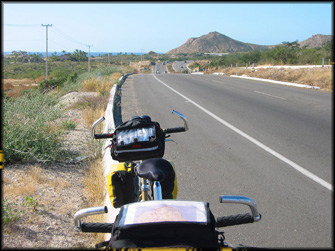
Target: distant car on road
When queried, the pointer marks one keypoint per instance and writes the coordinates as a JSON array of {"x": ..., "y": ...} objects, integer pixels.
[{"x": 158, "y": 72}]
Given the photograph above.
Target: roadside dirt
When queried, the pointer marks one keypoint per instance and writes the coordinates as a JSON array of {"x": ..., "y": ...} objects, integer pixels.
[{"x": 49, "y": 195}]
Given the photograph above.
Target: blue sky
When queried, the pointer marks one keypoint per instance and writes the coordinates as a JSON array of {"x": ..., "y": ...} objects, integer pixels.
[{"x": 156, "y": 26}]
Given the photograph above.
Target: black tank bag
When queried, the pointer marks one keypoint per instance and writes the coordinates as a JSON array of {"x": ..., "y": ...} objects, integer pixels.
[
  {"x": 164, "y": 223},
  {"x": 138, "y": 139}
]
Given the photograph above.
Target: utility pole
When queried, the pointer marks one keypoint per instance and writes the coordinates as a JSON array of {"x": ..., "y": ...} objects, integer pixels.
[
  {"x": 142, "y": 54},
  {"x": 46, "y": 61},
  {"x": 89, "y": 65}
]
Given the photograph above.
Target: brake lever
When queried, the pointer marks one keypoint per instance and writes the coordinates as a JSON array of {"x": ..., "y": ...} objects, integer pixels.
[
  {"x": 171, "y": 140},
  {"x": 109, "y": 145},
  {"x": 182, "y": 117}
]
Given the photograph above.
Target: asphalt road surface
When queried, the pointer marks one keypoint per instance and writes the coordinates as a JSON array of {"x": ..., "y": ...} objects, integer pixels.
[{"x": 269, "y": 142}]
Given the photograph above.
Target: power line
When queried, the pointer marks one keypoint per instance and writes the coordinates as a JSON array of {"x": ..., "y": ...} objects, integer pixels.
[
  {"x": 31, "y": 40},
  {"x": 54, "y": 30},
  {"x": 22, "y": 25},
  {"x": 62, "y": 34}
]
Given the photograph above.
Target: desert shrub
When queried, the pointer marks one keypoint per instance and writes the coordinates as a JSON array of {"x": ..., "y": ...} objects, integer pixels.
[
  {"x": 13, "y": 209},
  {"x": 69, "y": 124},
  {"x": 29, "y": 130},
  {"x": 90, "y": 85}
]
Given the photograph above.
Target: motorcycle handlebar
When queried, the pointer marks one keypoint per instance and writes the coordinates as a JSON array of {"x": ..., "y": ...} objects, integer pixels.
[
  {"x": 174, "y": 130},
  {"x": 103, "y": 135},
  {"x": 225, "y": 221},
  {"x": 94, "y": 125},
  {"x": 168, "y": 130},
  {"x": 233, "y": 220},
  {"x": 110, "y": 135},
  {"x": 96, "y": 227},
  {"x": 238, "y": 219}
]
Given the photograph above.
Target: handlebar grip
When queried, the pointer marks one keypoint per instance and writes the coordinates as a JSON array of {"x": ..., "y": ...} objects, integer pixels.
[
  {"x": 174, "y": 130},
  {"x": 96, "y": 227},
  {"x": 233, "y": 220},
  {"x": 103, "y": 136}
]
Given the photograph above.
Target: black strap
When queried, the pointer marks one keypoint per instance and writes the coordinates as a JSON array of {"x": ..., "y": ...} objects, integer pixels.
[
  {"x": 121, "y": 244},
  {"x": 102, "y": 244},
  {"x": 121, "y": 175}
]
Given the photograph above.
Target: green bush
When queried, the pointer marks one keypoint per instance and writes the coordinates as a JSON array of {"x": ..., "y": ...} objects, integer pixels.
[
  {"x": 12, "y": 210},
  {"x": 51, "y": 83},
  {"x": 72, "y": 77},
  {"x": 29, "y": 130},
  {"x": 69, "y": 124}
]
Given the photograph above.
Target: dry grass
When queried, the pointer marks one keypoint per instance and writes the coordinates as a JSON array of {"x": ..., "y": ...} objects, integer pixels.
[
  {"x": 24, "y": 81},
  {"x": 104, "y": 85},
  {"x": 92, "y": 107},
  {"x": 20, "y": 189},
  {"x": 94, "y": 183},
  {"x": 27, "y": 185},
  {"x": 95, "y": 108},
  {"x": 136, "y": 66},
  {"x": 115, "y": 76},
  {"x": 90, "y": 85},
  {"x": 59, "y": 184},
  {"x": 90, "y": 115},
  {"x": 321, "y": 77},
  {"x": 170, "y": 68},
  {"x": 35, "y": 182},
  {"x": 36, "y": 174},
  {"x": 14, "y": 87}
]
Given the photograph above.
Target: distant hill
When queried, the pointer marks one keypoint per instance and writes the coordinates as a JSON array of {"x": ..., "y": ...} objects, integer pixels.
[
  {"x": 316, "y": 41},
  {"x": 215, "y": 42}
]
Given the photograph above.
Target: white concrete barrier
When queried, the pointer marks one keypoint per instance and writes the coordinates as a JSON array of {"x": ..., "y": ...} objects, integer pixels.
[
  {"x": 107, "y": 158},
  {"x": 277, "y": 82}
]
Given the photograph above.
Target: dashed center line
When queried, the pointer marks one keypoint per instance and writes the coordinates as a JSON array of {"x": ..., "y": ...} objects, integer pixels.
[
  {"x": 255, "y": 141},
  {"x": 218, "y": 82},
  {"x": 270, "y": 95}
]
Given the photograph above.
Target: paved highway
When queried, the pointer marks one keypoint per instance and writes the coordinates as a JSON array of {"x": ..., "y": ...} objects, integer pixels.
[{"x": 269, "y": 142}]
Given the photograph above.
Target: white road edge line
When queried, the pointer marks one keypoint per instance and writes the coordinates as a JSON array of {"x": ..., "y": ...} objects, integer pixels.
[
  {"x": 269, "y": 95},
  {"x": 256, "y": 142}
]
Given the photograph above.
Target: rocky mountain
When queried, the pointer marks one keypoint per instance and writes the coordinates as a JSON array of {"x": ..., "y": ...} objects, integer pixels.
[
  {"x": 215, "y": 42},
  {"x": 219, "y": 43},
  {"x": 316, "y": 41}
]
